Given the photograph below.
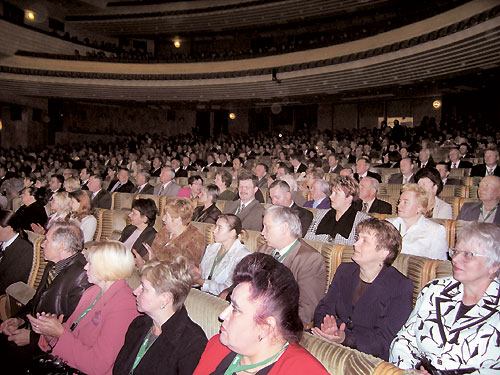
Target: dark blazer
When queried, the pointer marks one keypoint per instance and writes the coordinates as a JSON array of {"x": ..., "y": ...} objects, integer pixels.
[
  {"x": 34, "y": 213},
  {"x": 101, "y": 200},
  {"x": 305, "y": 217},
  {"x": 148, "y": 235},
  {"x": 324, "y": 204},
  {"x": 397, "y": 178},
  {"x": 430, "y": 164},
  {"x": 181, "y": 173},
  {"x": 302, "y": 168},
  {"x": 155, "y": 172},
  {"x": 128, "y": 187},
  {"x": 374, "y": 175},
  {"x": 379, "y": 313},
  {"x": 462, "y": 164},
  {"x": 252, "y": 215},
  {"x": 480, "y": 171},
  {"x": 176, "y": 351},
  {"x": 337, "y": 169},
  {"x": 16, "y": 262},
  {"x": 380, "y": 207},
  {"x": 147, "y": 189},
  {"x": 470, "y": 212},
  {"x": 85, "y": 185},
  {"x": 208, "y": 216}
]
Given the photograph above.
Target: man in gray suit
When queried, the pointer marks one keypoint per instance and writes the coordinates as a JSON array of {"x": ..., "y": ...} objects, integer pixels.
[
  {"x": 282, "y": 231},
  {"x": 406, "y": 176},
  {"x": 247, "y": 208},
  {"x": 487, "y": 210},
  {"x": 167, "y": 185}
]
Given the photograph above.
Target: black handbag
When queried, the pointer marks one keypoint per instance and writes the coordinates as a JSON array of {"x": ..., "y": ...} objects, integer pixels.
[{"x": 49, "y": 364}]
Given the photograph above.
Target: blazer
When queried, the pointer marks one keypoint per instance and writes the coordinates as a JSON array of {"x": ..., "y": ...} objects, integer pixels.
[
  {"x": 425, "y": 238},
  {"x": 337, "y": 169},
  {"x": 379, "y": 313},
  {"x": 397, "y": 178},
  {"x": 155, "y": 172},
  {"x": 171, "y": 190},
  {"x": 294, "y": 361},
  {"x": 189, "y": 243},
  {"x": 480, "y": 171},
  {"x": 304, "y": 215},
  {"x": 15, "y": 263},
  {"x": 462, "y": 164},
  {"x": 380, "y": 207},
  {"x": 176, "y": 351},
  {"x": 93, "y": 345},
  {"x": 223, "y": 271},
  {"x": 147, "y": 189},
  {"x": 102, "y": 200},
  {"x": 34, "y": 213},
  {"x": 324, "y": 204},
  {"x": 148, "y": 235},
  {"x": 181, "y": 173},
  {"x": 470, "y": 212},
  {"x": 128, "y": 187},
  {"x": 309, "y": 269},
  {"x": 449, "y": 343},
  {"x": 442, "y": 210},
  {"x": 302, "y": 168},
  {"x": 206, "y": 216},
  {"x": 374, "y": 175},
  {"x": 251, "y": 216}
]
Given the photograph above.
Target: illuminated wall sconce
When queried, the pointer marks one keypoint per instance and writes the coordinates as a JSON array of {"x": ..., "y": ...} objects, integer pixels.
[
  {"x": 177, "y": 43},
  {"x": 1, "y": 125},
  {"x": 232, "y": 116},
  {"x": 28, "y": 14},
  {"x": 436, "y": 104}
]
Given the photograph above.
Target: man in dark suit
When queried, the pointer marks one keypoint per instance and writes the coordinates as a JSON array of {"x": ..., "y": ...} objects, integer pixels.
[
  {"x": 425, "y": 159},
  {"x": 282, "y": 196},
  {"x": 362, "y": 170},
  {"x": 298, "y": 166},
  {"x": 179, "y": 172},
  {"x": 333, "y": 165},
  {"x": 210, "y": 164},
  {"x": 156, "y": 167},
  {"x": 122, "y": 184},
  {"x": 84, "y": 179},
  {"x": 444, "y": 171},
  {"x": 487, "y": 210},
  {"x": 455, "y": 161},
  {"x": 489, "y": 167},
  {"x": 282, "y": 231},
  {"x": 143, "y": 185},
  {"x": 56, "y": 183},
  {"x": 368, "y": 188},
  {"x": 99, "y": 198},
  {"x": 261, "y": 173},
  {"x": 247, "y": 208},
  {"x": 406, "y": 176},
  {"x": 63, "y": 283}
]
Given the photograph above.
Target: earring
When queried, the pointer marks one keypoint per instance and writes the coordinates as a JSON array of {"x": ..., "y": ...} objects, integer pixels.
[{"x": 162, "y": 306}]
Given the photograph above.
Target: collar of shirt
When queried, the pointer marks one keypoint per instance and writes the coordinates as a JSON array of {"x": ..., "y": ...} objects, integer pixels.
[
  {"x": 286, "y": 249},
  {"x": 247, "y": 203},
  {"x": 7, "y": 243},
  {"x": 58, "y": 267},
  {"x": 97, "y": 192},
  {"x": 369, "y": 204}
]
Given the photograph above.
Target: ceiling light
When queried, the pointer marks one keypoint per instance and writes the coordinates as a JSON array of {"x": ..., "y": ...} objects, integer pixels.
[
  {"x": 177, "y": 43},
  {"x": 29, "y": 15}
]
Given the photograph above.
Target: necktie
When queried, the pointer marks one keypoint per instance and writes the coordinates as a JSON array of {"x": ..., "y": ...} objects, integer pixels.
[
  {"x": 240, "y": 208},
  {"x": 454, "y": 165},
  {"x": 276, "y": 255},
  {"x": 489, "y": 172},
  {"x": 405, "y": 180},
  {"x": 51, "y": 276},
  {"x": 162, "y": 190},
  {"x": 365, "y": 207}
]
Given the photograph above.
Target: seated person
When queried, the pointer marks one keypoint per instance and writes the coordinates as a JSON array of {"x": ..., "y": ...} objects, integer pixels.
[
  {"x": 92, "y": 336},
  {"x": 444, "y": 171},
  {"x": 174, "y": 343},
  {"x": 262, "y": 320},
  {"x": 368, "y": 188},
  {"x": 487, "y": 210},
  {"x": 195, "y": 183},
  {"x": 421, "y": 236},
  {"x": 80, "y": 208},
  {"x": 368, "y": 301},
  {"x": 16, "y": 252},
  {"x": 454, "y": 325},
  {"x": 141, "y": 228},
  {"x": 406, "y": 176},
  {"x": 489, "y": 167},
  {"x": 320, "y": 192},
  {"x": 60, "y": 205},
  {"x": 122, "y": 184},
  {"x": 178, "y": 236},
  {"x": 223, "y": 180},
  {"x": 216, "y": 268},
  {"x": 338, "y": 225},
  {"x": 208, "y": 212},
  {"x": 32, "y": 210},
  {"x": 430, "y": 180}
]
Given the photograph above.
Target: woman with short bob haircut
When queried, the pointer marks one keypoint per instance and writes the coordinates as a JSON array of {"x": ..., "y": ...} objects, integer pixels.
[
  {"x": 261, "y": 328},
  {"x": 141, "y": 228},
  {"x": 80, "y": 208},
  {"x": 368, "y": 300},
  {"x": 208, "y": 211},
  {"x": 92, "y": 336},
  {"x": 174, "y": 342},
  {"x": 430, "y": 180}
]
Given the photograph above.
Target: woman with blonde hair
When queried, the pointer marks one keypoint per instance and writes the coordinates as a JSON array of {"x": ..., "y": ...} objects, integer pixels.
[
  {"x": 60, "y": 205},
  {"x": 173, "y": 342},
  {"x": 71, "y": 185},
  {"x": 92, "y": 336},
  {"x": 421, "y": 236},
  {"x": 80, "y": 208}
]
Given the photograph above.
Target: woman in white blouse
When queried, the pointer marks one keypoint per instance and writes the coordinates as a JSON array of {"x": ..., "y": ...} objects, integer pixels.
[
  {"x": 430, "y": 180},
  {"x": 80, "y": 208},
  {"x": 60, "y": 205},
  {"x": 220, "y": 259},
  {"x": 421, "y": 236}
]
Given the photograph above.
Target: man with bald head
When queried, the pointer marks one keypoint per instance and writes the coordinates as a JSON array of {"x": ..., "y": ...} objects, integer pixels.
[{"x": 487, "y": 210}]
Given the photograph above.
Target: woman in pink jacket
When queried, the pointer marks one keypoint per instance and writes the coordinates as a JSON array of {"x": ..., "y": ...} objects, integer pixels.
[{"x": 93, "y": 335}]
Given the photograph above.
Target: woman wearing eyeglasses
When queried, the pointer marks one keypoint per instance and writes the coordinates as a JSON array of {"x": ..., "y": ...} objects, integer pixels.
[{"x": 455, "y": 325}]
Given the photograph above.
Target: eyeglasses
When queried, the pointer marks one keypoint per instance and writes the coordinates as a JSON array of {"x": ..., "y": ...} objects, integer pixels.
[{"x": 468, "y": 255}]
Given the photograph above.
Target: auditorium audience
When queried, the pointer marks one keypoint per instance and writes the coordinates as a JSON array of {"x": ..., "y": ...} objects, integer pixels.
[
  {"x": 261, "y": 329},
  {"x": 223, "y": 180},
  {"x": 192, "y": 191},
  {"x": 490, "y": 165},
  {"x": 368, "y": 188},
  {"x": 121, "y": 184},
  {"x": 454, "y": 325},
  {"x": 141, "y": 229},
  {"x": 167, "y": 185},
  {"x": 208, "y": 211},
  {"x": 81, "y": 215},
  {"x": 220, "y": 258},
  {"x": 60, "y": 205},
  {"x": 430, "y": 180},
  {"x": 320, "y": 192},
  {"x": 368, "y": 300},
  {"x": 486, "y": 210},
  {"x": 32, "y": 210},
  {"x": 100, "y": 198}
]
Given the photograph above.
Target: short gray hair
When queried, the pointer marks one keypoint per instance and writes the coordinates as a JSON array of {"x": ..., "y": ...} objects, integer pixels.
[
  {"x": 285, "y": 214},
  {"x": 97, "y": 178},
  {"x": 324, "y": 186},
  {"x": 69, "y": 234},
  {"x": 374, "y": 182},
  {"x": 487, "y": 236},
  {"x": 171, "y": 170},
  {"x": 144, "y": 173}
]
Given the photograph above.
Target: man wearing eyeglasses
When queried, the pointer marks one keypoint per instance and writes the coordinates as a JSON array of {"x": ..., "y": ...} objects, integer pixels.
[{"x": 485, "y": 211}]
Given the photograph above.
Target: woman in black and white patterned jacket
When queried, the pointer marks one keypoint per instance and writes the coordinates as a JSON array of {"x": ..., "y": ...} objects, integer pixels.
[{"x": 455, "y": 325}]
